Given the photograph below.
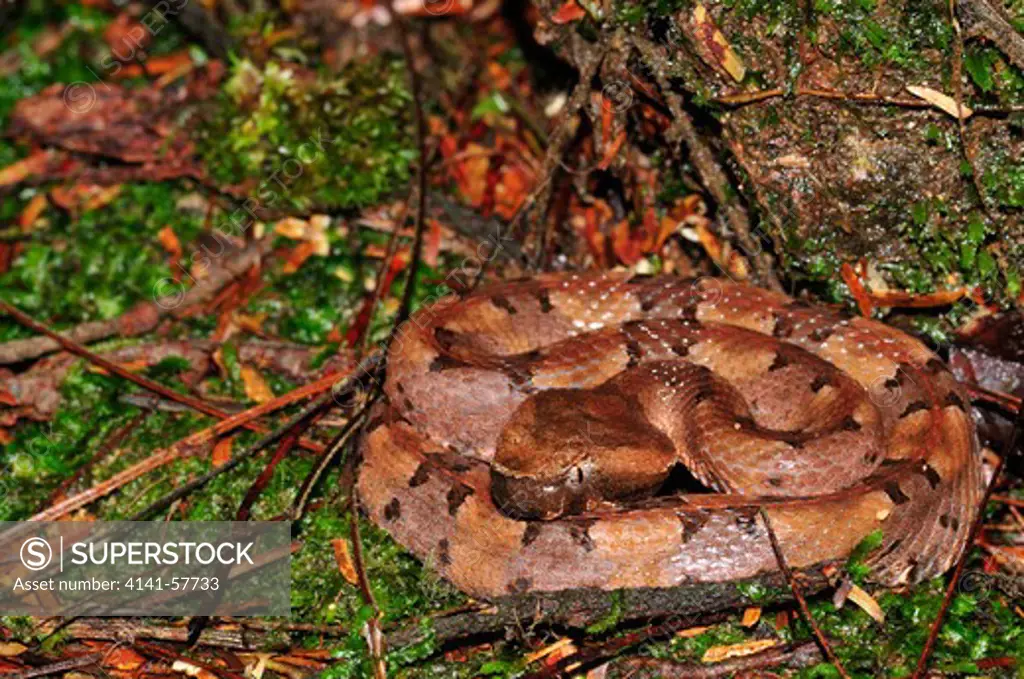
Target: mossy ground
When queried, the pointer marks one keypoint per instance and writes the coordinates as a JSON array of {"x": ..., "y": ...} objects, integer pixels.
[{"x": 100, "y": 263}]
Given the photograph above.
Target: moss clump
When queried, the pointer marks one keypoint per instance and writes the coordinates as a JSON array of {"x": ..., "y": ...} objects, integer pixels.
[
  {"x": 338, "y": 143},
  {"x": 98, "y": 264}
]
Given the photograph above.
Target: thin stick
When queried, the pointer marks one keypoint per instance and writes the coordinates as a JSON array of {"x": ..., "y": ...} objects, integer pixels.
[
  {"x": 335, "y": 447},
  {"x": 421, "y": 172},
  {"x": 951, "y": 586},
  {"x": 320, "y": 405},
  {"x": 805, "y": 611},
  {"x": 62, "y": 667}
]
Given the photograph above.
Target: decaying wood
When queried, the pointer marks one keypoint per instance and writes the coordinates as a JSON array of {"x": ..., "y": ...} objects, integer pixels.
[{"x": 582, "y": 608}]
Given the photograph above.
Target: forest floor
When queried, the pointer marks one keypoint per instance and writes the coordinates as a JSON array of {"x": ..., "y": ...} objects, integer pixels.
[{"x": 211, "y": 206}]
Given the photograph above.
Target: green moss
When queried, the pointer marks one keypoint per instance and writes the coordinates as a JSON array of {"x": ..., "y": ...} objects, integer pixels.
[
  {"x": 99, "y": 264},
  {"x": 338, "y": 143},
  {"x": 897, "y": 34}
]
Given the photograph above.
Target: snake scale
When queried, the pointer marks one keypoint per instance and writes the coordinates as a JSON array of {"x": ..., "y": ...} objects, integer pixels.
[{"x": 535, "y": 432}]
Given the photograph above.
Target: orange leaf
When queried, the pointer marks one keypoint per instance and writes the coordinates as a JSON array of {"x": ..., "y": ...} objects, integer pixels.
[
  {"x": 852, "y": 281},
  {"x": 720, "y": 653},
  {"x": 256, "y": 387},
  {"x": 252, "y": 323},
  {"x": 751, "y": 616},
  {"x": 298, "y": 256},
  {"x": 169, "y": 240},
  {"x": 612, "y": 150},
  {"x": 31, "y": 212},
  {"x": 473, "y": 168},
  {"x": 9, "y": 649},
  {"x": 83, "y": 196},
  {"x": 510, "y": 192},
  {"x": 17, "y": 171},
  {"x": 570, "y": 11},
  {"x": 343, "y": 558},
  {"x": 7, "y": 398},
  {"x": 222, "y": 451},
  {"x": 432, "y": 242},
  {"x": 126, "y": 37},
  {"x": 123, "y": 659}
]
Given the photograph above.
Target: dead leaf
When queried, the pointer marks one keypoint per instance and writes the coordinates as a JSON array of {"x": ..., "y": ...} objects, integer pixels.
[
  {"x": 250, "y": 322},
  {"x": 941, "y": 101},
  {"x": 169, "y": 240},
  {"x": 123, "y": 659},
  {"x": 178, "y": 62},
  {"x": 256, "y": 387},
  {"x": 691, "y": 632},
  {"x": 343, "y": 558},
  {"x": 31, "y": 212},
  {"x": 563, "y": 644},
  {"x": 222, "y": 451},
  {"x": 867, "y": 603},
  {"x": 131, "y": 366},
  {"x": 751, "y": 616},
  {"x": 720, "y": 653},
  {"x": 10, "y": 649},
  {"x": 26, "y": 167},
  {"x": 298, "y": 256},
  {"x": 192, "y": 670},
  {"x": 713, "y": 47},
  {"x": 471, "y": 175},
  {"x": 126, "y": 37},
  {"x": 291, "y": 227},
  {"x": 83, "y": 197},
  {"x": 570, "y": 11}
]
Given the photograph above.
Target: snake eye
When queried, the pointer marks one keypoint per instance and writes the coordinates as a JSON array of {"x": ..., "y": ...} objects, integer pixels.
[{"x": 576, "y": 476}]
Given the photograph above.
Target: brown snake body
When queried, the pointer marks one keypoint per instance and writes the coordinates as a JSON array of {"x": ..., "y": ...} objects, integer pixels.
[{"x": 535, "y": 427}]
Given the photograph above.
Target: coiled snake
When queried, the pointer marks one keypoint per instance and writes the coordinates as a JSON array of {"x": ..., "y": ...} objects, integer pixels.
[{"x": 536, "y": 427}]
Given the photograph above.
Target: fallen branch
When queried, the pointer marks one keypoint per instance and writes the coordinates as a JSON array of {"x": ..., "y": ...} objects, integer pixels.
[{"x": 582, "y": 608}]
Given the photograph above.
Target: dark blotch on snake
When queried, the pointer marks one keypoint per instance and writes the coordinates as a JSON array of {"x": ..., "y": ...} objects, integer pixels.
[
  {"x": 456, "y": 496},
  {"x": 895, "y": 493}
]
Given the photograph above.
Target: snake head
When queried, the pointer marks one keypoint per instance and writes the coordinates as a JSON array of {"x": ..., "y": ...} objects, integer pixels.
[
  {"x": 568, "y": 451},
  {"x": 544, "y": 497}
]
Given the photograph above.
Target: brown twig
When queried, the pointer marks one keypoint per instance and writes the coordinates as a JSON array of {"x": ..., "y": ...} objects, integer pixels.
[
  {"x": 613, "y": 647},
  {"x": 803, "y": 655},
  {"x": 805, "y": 610},
  {"x": 327, "y": 459},
  {"x": 61, "y": 667},
  {"x": 419, "y": 217},
  {"x": 257, "y": 486},
  {"x": 309, "y": 413},
  {"x": 958, "y": 95},
  {"x": 374, "y": 634},
  {"x": 143, "y": 317},
  {"x": 954, "y": 579},
  {"x": 558, "y": 141}
]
